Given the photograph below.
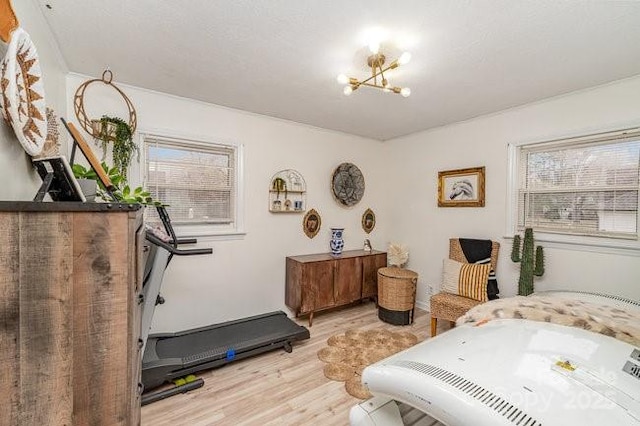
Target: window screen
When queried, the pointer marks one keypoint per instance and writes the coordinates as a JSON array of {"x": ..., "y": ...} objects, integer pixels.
[
  {"x": 197, "y": 181},
  {"x": 586, "y": 186}
]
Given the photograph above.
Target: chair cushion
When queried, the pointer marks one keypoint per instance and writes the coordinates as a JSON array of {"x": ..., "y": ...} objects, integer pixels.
[
  {"x": 465, "y": 279},
  {"x": 449, "y": 306}
]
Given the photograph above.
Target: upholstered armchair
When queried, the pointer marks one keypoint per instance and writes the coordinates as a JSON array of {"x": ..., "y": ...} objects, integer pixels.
[{"x": 448, "y": 306}]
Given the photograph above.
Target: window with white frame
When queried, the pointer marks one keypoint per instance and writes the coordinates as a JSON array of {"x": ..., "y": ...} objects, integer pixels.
[
  {"x": 198, "y": 181},
  {"x": 586, "y": 186}
]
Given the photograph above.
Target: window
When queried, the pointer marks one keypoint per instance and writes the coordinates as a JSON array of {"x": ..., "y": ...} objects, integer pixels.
[
  {"x": 585, "y": 186},
  {"x": 198, "y": 181}
]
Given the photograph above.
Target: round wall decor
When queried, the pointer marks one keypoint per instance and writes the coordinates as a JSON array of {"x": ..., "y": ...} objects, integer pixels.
[
  {"x": 93, "y": 126},
  {"x": 23, "y": 100},
  {"x": 347, "y": 184},
  {"x": 368, "y": 221},
  {"x": 311, "y": 223}
]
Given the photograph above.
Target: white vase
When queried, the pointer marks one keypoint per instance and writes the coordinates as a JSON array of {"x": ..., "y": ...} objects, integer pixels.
[{"x": 337, "y": 243}]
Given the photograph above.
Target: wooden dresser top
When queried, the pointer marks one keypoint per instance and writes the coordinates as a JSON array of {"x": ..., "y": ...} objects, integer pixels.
[{"x": 319, "y": 257}]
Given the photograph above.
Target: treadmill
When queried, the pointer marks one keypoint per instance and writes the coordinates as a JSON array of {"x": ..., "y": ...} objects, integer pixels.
[{"x": 171, "y": 356}]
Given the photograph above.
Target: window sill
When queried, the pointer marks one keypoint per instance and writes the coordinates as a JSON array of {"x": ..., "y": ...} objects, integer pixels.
[
  {"x": 207, "y": 233},
  {"x": 589, "y": 244}
]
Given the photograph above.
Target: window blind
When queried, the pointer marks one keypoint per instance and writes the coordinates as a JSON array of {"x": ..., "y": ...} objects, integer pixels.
[
  {"x": 196, "y": 180},
  {"x": 586, "y": 186}
]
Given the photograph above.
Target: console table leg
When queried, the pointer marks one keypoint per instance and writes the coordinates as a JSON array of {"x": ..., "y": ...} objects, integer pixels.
[{"x": 311, "y": 319}]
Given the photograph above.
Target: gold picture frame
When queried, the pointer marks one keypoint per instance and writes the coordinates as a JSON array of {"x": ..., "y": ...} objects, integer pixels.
[
  {"x": 368, "y": 221},
  {"x": 461, "y": 188},
  {"x": 311, "y": 223}
]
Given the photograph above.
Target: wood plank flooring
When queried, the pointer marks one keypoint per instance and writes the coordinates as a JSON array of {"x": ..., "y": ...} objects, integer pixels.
[{"x": 277, "y": 388}]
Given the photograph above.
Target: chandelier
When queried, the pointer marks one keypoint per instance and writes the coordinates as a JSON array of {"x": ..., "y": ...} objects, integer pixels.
[{"x": 378, "y": 78}]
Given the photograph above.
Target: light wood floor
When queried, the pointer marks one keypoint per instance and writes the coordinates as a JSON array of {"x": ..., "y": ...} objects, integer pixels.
[{"x": 277, "y": 388}]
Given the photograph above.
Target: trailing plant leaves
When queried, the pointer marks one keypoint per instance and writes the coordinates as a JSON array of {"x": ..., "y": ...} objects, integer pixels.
[{"x": 123, "y": 144}]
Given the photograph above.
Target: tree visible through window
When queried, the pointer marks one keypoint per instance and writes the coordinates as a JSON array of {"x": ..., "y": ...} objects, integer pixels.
[
  {"x": 586, "y": 186},
  {"x": 197, "y": 181}
]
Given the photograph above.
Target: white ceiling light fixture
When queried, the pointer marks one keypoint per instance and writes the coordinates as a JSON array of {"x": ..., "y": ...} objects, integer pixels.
[{"x": 378, "y": 78}]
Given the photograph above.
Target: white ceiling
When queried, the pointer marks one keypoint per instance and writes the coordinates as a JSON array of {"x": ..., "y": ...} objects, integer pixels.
[{"x": 281, "y": 57}]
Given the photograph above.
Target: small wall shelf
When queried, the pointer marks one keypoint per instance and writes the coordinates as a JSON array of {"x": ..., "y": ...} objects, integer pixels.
[{"x": 287, "y": 192}]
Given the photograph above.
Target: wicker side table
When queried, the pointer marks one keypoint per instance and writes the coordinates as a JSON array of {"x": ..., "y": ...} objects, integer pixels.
[{"x": 396, "y": 295}]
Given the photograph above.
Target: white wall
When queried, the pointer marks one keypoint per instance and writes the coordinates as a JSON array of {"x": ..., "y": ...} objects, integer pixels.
[
  {"x": 417, "y": 221},
  {"x": 15, "y": 164},
  {"x": 246, "y": 277}
]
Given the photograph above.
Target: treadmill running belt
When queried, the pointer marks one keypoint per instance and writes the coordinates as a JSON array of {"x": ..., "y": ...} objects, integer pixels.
[{"x": 212, "y": 342}]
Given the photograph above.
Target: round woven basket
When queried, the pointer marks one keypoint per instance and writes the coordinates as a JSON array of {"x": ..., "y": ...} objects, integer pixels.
[{"x": 397, "y": 288}]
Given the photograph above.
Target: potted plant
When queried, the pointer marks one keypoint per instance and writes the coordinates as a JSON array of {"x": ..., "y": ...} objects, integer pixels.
[
  {"x": 280, "y": 185},
  {"x": 122, "y": 192},
  {"x": 116, "y": 130},
  {"x": 87, "y": 179}
]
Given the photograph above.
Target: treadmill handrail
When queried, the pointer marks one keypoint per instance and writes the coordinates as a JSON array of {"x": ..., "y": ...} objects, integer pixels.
[
  {"x": 184, "y": 241},
  {"x": 171, "y": 249}
]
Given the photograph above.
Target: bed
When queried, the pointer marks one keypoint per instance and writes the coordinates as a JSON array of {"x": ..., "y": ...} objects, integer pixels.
[{"x": 555, "y": 358}]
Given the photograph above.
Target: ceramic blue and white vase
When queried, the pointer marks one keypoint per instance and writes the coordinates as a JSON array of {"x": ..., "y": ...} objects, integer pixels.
[{"x": 336, "y": 243}]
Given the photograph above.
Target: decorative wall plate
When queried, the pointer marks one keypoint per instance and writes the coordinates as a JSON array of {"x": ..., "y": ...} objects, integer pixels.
[
  {"x": 347, "y": 184},
  {"x": 311, "y": 223},
  {"x": 23, "y": 92},
  {"x": 368, "y": 221}
]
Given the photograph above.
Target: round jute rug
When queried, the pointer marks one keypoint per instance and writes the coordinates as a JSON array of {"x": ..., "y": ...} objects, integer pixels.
[{"x": 346, "y": 355}]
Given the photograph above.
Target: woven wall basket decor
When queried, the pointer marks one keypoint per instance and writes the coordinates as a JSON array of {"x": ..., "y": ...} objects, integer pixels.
[{"x": 23, "y": 100}]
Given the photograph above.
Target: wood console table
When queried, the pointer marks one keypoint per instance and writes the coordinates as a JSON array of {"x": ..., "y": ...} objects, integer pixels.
[
  {"x": 70, "y": 280},
  {"x": 321, "y": 281}
]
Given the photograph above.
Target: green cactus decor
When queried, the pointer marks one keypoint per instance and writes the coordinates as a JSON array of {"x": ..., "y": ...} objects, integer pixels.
[{"x": 531, "y": 264}]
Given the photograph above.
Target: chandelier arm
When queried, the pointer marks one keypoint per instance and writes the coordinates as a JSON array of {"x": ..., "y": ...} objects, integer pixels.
[
  {"x": 393, "y": 65},
  {"x": 373, "y": 85},
  {"x": 381, "y": 74},
  {"x": 365, "y": 81}
]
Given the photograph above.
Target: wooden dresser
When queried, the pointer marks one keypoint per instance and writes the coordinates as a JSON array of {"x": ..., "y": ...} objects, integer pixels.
[
  {"x": 321, "y": 281},
  {"x": 70, "y": 278}
]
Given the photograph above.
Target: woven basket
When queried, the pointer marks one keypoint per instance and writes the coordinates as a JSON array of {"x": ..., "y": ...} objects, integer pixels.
[{"x": 397, "y": 288}]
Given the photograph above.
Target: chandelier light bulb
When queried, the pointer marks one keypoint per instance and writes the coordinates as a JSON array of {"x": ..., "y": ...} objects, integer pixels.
[
  {"x": 406, "y": 92},
  {"x": 404, "y": 58},
  {"x": 348, "y": 90},
  {"x": 374, "y": 47},
  {"x": 342, "y": 79}
]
